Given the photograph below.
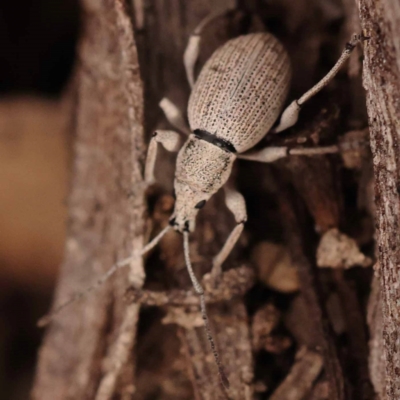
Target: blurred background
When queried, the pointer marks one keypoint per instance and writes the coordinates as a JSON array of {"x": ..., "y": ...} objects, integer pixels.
[{"x": 37, "y": 42}]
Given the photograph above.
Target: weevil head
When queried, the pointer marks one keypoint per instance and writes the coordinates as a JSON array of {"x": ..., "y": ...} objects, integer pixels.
[
  {"x": 189, "y": 200},
  {"x": 201, "y": 170}
]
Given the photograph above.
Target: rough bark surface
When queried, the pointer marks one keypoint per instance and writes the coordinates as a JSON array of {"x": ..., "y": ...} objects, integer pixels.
[
  {"x": 105, "y": 219},
  {"x": 381, "y": 22}
]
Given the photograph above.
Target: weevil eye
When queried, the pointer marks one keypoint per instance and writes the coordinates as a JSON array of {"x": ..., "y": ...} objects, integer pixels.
[{"x": 200, "y": 204}]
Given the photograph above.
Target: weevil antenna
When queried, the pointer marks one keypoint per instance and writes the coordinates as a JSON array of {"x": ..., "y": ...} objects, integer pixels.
[
  {"x": 200, "y": 291},
  {"x": 120, "y": 264},
  {"x": 153, "y": 243}
]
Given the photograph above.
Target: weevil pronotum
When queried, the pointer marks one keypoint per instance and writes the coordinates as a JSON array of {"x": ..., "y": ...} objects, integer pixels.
[{"x": 236, "y": 99}]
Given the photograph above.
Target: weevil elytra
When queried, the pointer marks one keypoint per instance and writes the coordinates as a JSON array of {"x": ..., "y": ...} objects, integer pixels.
[{"x": 238, "y": 96}]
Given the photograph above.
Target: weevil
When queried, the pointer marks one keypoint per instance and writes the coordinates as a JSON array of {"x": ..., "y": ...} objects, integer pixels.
[{"x": 239, "y": 94}]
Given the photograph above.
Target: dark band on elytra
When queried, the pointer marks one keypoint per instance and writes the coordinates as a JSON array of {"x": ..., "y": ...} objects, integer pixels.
[{"x": 215, "y": 140}]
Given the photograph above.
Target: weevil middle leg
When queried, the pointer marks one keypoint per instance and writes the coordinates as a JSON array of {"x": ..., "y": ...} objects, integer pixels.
[{"x": 237, "y": 205}]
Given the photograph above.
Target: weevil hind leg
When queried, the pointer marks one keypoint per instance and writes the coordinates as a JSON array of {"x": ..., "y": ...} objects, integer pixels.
[
  {"x": 192, "y": 50},
  {"x": 291, "y": 114},
  {"x": 170, "y": 140},
  {"x": 237, "y": 205}
]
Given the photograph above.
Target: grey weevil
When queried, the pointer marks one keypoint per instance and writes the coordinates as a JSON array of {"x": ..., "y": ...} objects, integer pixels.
[{"x": 235, "y": 101}]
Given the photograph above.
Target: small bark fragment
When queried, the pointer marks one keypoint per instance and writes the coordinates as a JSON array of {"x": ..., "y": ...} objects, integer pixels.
[
  {"x": 301, "y": 378},
  {"x": 265, "y": 320},
  {"x": 337, "y": 250},
  {"x": 275, "y": 267}
]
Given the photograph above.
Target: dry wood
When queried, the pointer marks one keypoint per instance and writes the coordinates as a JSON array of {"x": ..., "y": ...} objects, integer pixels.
[{"x": 233, "y": 283}]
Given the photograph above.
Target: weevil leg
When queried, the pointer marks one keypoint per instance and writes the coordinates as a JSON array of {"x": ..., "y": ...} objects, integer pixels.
[
  {"x": 170, "y": 140},
  {"x": 266, "y": 155},
  {"x": 236, "y": 204},
  {"x": 192, "y": 50},
  {"x": 173, "y": 115},
  {"x": 271, "y": 154},
  {"x": 291, "y": 113}
]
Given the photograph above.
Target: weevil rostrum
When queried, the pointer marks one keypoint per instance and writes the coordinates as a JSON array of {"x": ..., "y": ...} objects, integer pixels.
[{"x": 236, "y": 99}]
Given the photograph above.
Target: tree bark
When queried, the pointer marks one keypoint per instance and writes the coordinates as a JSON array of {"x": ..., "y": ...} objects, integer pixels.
[
  {"x": 381, "y": 22},
  {"x": 105, "y": 217}
]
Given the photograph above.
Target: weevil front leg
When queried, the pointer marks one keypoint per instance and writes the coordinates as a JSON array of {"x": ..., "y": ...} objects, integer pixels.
[
  {"x": 291, "y": 113},
  {"x": 236, "y": 204},
  {"x": 170, "y": 140},
  {"x": 192, "y": 50},
  {"x": 174, "y": 115}
]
